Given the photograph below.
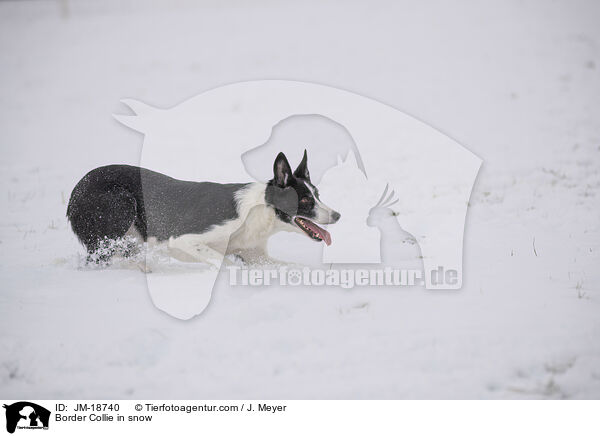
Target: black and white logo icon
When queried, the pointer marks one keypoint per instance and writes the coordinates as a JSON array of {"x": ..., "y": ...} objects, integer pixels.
[{"x": 26, "y": 415}]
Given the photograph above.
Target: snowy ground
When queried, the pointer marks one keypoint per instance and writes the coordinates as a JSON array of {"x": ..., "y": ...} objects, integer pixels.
[{"x": 517, "y": 84}]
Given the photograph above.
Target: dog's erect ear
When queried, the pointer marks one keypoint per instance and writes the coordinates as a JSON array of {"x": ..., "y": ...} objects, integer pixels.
[
  {"x": 302, "y": 170},
  {"x": 282, "y": 171}
]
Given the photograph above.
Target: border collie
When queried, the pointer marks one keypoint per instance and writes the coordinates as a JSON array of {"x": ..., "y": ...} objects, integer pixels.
[{"x": 200, "y": 221}]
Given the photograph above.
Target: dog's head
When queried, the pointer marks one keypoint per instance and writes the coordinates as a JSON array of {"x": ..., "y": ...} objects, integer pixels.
[{"x": 296, "y": 200}]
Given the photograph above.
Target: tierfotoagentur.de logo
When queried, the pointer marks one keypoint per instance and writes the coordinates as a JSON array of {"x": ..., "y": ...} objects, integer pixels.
[{"x": 24, "y": 415}]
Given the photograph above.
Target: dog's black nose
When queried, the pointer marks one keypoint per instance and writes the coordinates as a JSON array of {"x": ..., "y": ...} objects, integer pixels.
[{"x": 335, "y": 216}]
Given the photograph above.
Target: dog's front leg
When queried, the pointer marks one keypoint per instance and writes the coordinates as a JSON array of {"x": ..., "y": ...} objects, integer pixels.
[
  {"x": 253, "y": 256},
  {"x": 191, "y": 248},
  {"x": 258, "y": 256}
]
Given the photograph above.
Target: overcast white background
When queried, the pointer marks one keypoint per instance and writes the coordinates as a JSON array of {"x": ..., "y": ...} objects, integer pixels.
[{"x": 516, "y": 82}]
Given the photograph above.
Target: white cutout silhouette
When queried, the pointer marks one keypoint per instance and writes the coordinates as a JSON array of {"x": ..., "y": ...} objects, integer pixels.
[
  {"x": 352, "y": 194},
  {"x": 197, "y": 139},
  {"x": 399, "y": 248}
]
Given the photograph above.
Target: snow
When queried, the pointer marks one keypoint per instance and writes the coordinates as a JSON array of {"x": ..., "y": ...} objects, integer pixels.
[{"x": 516, "y": 84}]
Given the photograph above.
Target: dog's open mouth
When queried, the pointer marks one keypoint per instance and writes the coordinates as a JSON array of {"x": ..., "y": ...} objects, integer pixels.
[{"x": 313, "y": 230}]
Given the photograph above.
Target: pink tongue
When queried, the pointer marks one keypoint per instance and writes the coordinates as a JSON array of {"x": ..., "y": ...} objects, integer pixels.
[{"x": 323, "y": 234}]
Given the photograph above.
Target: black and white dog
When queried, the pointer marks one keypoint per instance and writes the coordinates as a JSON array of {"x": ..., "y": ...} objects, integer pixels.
[{"x": 200, "y": 221}]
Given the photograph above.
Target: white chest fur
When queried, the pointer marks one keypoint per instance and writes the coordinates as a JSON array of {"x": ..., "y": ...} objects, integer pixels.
[{"x": 254, "y": 230}]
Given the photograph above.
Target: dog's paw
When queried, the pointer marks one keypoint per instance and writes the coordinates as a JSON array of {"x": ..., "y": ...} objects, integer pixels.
[{"x": 144, "y": 267}]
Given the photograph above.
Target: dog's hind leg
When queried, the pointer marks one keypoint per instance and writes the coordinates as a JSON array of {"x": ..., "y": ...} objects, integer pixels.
[{"x": 99, "y": 219}]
